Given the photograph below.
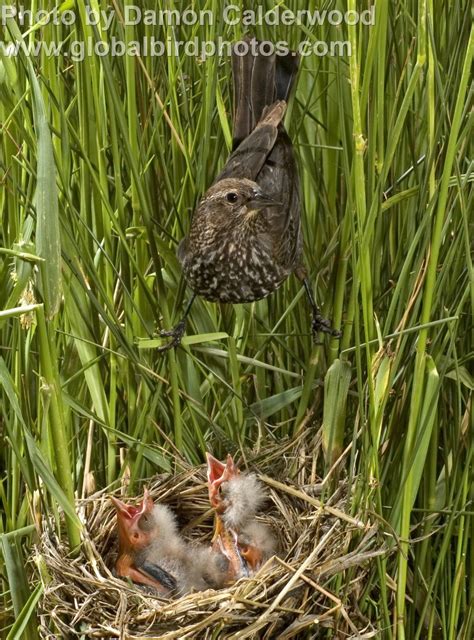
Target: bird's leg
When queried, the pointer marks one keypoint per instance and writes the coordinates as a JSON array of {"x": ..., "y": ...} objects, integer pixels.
[
  {"x": 318, "y": 323},
  {"x": 177, "y": 332}
]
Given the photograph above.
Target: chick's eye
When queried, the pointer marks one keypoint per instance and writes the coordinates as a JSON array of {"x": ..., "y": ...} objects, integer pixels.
[
  {"x": 144, "y": 520},
  {"x": 232, "y": 197}
]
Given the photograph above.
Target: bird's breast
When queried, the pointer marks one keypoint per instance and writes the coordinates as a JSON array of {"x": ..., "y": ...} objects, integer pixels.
[{"x": 233, "y": 267}]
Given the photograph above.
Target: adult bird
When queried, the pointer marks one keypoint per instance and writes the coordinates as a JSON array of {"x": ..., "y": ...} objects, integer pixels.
[{"x": 245, "y": 237}]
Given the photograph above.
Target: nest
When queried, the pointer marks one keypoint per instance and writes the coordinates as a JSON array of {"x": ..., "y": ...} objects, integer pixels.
[{"x": 321, "y": 548}]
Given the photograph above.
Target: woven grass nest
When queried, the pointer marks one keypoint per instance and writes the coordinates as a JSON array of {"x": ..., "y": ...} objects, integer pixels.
[{"x": 289, "y": 597}]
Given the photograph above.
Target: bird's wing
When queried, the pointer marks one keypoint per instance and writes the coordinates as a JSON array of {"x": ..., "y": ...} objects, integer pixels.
[
  {"x": 159, "y": 574},
  {"x": 279, "y": 178},
  {"x": 181, "y": 250},
  {"x": 250, "y": 156},
  {"x": 153, "y": 576}
]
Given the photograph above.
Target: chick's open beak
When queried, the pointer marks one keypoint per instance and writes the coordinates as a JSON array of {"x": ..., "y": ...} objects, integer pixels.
[
  {"x": 226, "y": 542},
  {"x": 217, "y": 473},
  {"x": 128, "y": 512},
  {"x": 128, "y": 517},
  {"x": 215, "y": 468}
]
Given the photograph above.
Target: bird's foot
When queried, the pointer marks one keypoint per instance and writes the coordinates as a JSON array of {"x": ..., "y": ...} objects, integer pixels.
[
  {"x": 322, "y": 325},
  {"x": 176, "y": 334}
]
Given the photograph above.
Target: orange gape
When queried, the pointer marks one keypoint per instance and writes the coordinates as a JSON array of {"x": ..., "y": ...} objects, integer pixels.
[
  {"x": 135, "y": 536},
  {"x": 230, "y": 538}
]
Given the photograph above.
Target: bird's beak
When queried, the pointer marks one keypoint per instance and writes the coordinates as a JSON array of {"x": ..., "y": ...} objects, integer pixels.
[
  {"x": 215, "y": 468},
  {"x": 217, "y": 473},
  {"x": 261, "y": 200},
  {"x": 130, "y": 513},
  {"x": 225, "y": 540},
  {"x": 252, "y": 556},
  {"x": 231, "y": 469}
]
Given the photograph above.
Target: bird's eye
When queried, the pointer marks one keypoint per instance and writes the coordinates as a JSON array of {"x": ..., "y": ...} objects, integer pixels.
[
  {"x": 232, "y": 197},
  {"x": 144, "y": 521}
]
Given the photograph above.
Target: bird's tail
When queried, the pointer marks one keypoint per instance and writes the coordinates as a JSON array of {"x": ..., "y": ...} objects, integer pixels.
[{"x": 259, "y": 80}]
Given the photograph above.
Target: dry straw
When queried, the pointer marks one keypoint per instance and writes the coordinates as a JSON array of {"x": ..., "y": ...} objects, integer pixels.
[{"x": 292, "y": 596}]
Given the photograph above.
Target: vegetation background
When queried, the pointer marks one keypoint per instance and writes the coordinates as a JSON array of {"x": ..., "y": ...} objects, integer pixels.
[{"x": 101, "y": 164}]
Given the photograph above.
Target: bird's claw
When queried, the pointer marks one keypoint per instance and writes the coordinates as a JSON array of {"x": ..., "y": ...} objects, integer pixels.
[
  {"x": 176, "y": 334},
  {"x": 323, "y": 325}
]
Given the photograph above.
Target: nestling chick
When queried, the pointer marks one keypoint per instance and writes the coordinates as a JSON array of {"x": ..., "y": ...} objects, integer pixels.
[
  {"x": 236, "y": 498},
  {"x": 152, "y": 552}
]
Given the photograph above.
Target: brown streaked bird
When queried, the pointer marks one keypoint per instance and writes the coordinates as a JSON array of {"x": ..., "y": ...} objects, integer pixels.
[
  {"x": 152, "y": 552},
  {"x": 245, "y": 237},
  {"x": 236, "y": 498}
]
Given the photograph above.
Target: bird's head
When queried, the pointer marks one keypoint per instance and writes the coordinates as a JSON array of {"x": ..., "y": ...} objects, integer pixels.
[
  {"x": 234, "y": 197},
  {"x": 136, "y": 524}
]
